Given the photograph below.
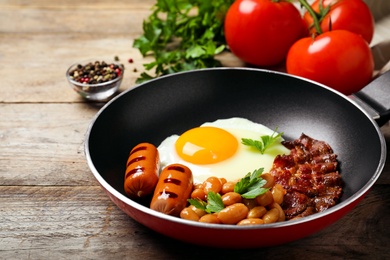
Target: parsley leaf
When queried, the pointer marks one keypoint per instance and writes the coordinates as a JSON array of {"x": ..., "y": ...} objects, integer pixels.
[
  {"x": 265, "y": 141},
  {"x": 214, "y": 203},
  {"x": 182, "y": 35},
  {"x": 199, "y": 204},
  {"x": 251, "y": 185},
  {"x": 248, "y": 187}
]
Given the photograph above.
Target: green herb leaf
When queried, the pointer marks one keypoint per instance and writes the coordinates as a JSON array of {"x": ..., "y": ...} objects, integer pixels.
[
  {"x": 214, "y": 203},
  {"x": 251, "y": 185},
  {"x": 182, "y": 35},
  {"x": 199, "y": 204},
  {"x": 265, "y": 141}
]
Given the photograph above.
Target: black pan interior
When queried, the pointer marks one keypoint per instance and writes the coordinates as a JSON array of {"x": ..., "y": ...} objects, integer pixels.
[{"x": 170, "y": 105}]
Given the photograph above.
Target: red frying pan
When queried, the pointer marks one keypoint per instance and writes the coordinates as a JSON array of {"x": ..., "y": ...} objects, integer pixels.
[{"x": 173, "y": 104}]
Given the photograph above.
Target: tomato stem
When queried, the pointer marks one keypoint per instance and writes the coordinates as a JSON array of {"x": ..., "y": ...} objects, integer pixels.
[{"x": 312, "y": 13}]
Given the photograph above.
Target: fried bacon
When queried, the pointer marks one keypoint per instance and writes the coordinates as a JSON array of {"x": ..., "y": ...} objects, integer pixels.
[{"x": 310, "y": 176}]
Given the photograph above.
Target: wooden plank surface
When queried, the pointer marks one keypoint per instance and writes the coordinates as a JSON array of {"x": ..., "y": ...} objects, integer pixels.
[
  {"x": 43, "y": 222},
  {"x": 51, "y": 205}
]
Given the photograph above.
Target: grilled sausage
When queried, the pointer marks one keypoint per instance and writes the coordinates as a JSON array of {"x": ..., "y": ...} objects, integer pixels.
[
  {"x": 142, "y": 171},
  {"x": 173, "y": 189}
]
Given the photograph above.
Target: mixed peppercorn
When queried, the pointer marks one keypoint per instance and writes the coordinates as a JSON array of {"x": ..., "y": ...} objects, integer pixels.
[{"x": 94, "y": 73}]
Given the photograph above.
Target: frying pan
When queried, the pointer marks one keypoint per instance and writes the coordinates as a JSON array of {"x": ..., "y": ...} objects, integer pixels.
[{"x": 172, "y": 104}]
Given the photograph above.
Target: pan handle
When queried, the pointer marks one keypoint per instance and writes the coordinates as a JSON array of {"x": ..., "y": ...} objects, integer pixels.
[
  {"x": 383, "y": 118},
  {"x": 377, "y": 96}
]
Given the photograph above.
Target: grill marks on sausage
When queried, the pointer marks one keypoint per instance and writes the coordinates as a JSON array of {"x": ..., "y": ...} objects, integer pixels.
[
  {"x": 136, "y": 159},
  {"x": 173, "y": 189},
  {"x": 169, "y": 194},
  {"x": 140, "y": 148},
  {"x": 138, "y": 169},
  {"x": 134, "y": 171},
  {"x": 310, "y": 176},
  {"x": 141, "y": 175},
  {"x": 173, "y": 181},
  {"x": 176, "y": 168}
]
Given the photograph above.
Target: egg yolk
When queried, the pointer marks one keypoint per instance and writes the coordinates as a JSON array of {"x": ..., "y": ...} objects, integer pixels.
[{"x": 206, "y": 145}]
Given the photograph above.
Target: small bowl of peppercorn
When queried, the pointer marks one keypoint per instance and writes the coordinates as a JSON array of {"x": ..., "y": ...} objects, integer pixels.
[{"x": 95, "y": 80}]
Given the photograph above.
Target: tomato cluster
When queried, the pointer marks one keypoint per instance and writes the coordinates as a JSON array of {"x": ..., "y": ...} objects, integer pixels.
[{"x": 329, "y": 43}]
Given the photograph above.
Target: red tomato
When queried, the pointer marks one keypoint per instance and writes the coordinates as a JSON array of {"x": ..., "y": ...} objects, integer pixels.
[
  {"x": 351, "y": 15},
  {"x": 339, "y": 59},
  {"x": 260, "y": 32}
]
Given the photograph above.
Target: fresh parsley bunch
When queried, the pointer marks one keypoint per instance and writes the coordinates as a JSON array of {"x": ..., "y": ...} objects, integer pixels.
[{"x": 183, "y": 35}]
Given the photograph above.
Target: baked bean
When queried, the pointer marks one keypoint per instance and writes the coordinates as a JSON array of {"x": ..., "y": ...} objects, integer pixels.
[
  {"x": 282, "y": 215},
  {"x": 263, "y": 209},
  {"x": 228, "y": 187},
  {"x": 199, "y": 212},
  {"x": 233, "y": 214},
  {"x": 250, "y": 203},
  {"x": 270, "y": 180},
  {"x": 189, "y": 214},
  {"x": 231, "y": 198},
  {"x": 278, "y": 193},
  {"x": 212, "y": 184},
  {"x": 198, "y": 194},
  {"x": 265, "y": 199},
  {"x": 210, "y": 218},
  {"x": 223, "y": 180},
  {"x": 257, "y": 212},
  {"x": 198, "y": 186},
  {"x": 250, "y": 221},
  {"x": 271, "y": 216}
]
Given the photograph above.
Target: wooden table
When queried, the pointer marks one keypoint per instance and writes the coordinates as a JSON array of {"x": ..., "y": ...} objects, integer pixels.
[{"x": 51, "y": 207}]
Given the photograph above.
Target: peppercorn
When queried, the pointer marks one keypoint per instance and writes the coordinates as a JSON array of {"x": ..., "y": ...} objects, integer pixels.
[{"x": 94, "y": 73}]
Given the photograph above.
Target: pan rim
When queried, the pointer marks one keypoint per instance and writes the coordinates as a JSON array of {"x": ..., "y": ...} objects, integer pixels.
[{"x": 352, "y": 199}]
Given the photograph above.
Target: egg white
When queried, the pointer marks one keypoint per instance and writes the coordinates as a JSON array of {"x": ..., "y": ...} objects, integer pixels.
[{"x": 246, "y": 159}]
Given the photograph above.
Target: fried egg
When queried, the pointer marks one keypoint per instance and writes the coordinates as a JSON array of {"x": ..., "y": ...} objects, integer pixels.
[{"x": 215, "y": 149}]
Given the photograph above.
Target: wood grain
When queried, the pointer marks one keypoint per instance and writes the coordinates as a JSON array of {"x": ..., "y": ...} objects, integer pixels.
[
  {"x": 45, "y": 143},
  {"x": 45, "y": 221}
]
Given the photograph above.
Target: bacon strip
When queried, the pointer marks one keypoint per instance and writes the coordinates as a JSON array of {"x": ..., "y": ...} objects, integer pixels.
[{"x": 310, "y": 176}]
